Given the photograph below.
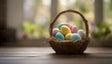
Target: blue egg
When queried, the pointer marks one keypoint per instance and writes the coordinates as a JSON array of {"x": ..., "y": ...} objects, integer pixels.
[
  {"x": 59, "y": 26},
  {"x": 75, "y": 36},
  {"x": 59, "y": 36}
]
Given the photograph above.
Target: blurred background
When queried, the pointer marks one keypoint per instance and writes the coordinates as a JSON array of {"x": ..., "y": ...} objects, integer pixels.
[{"x": 26, "y": 22}]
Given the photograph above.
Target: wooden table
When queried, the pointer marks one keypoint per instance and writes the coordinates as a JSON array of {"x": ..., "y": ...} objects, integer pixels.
[{"x": 45, "y": 55}]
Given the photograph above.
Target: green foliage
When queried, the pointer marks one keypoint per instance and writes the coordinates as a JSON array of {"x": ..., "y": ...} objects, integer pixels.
[
  {"x": 32, "y": 29},
  {"x": 103, "y": 31}
]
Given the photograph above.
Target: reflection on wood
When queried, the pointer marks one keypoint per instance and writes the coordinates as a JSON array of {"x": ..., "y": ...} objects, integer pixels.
[{"x": 45, "y": 55}]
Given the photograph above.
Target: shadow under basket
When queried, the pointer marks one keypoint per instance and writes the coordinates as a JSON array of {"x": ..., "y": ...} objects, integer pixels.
[{"x": 69, "y": 46}]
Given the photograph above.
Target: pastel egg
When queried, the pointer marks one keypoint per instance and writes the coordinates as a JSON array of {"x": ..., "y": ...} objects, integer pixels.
[
  {"x": 74, "y": 29},
  {"x": 65, "y": 30},
  {"x": 81, "y": 33},
  {"x": 68, "y": 36},
  {"x": 66, "y": 24},
  {"x": 75, "y": 36},
  {"x": 55, "y": 30},
  {"x": 59, "y": 25},
  {"x": 59, "y": 36}
]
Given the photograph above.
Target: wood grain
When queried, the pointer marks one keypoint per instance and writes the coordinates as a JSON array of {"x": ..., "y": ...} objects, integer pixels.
[{"x": 45, "y": 55}]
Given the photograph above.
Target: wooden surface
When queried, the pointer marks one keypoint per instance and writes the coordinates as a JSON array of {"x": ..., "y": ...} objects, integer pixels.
[{"x": 45, "y": 55}]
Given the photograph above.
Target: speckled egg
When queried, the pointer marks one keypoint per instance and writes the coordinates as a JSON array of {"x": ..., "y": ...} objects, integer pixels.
[
  {"x": 55, "y": 30},
  {"x": 68, "y": 36},
  {"x": 66, "y": 24},
  {"x": 74, "y": 29},
  {"x": 59, "y": 36},
  {"x": 65, "y": 30},
  {"x": 81, "y": 33},
  {"x": 75, "y": 36}
]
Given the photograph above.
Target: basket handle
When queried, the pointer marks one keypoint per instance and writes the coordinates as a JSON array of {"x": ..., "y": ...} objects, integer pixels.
[{"x": 74, "y": 11}]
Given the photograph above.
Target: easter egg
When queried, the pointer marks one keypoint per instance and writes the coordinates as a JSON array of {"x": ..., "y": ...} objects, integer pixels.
[
  {"x": 59, "y": 36},
  {"x": 66, "y": 24},
  {"x": 75, "y": 36},
  {"x": 59, "y": 26},
  {"x": 68, "y": 36},
  {"x": 65, "y": 30},
  {"x": 55, "y": 30},
  {"x": 74, "y": 29},
  {"x": 81, "y": 33}
]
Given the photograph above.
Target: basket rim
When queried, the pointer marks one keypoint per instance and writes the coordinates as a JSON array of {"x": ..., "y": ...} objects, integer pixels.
[{"x": 59, "y": 40}]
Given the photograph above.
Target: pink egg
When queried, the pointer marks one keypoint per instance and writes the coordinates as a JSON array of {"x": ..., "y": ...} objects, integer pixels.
[
  {"x": 74, "y": 29},
  {"x": 71, "y": 27},
  {"x": 55, "y": 30}
]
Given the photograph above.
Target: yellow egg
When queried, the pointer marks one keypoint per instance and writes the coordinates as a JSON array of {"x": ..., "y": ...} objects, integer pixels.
[
  {"x": 68, "y": 36},
  {"x": 65, "y": 30}
]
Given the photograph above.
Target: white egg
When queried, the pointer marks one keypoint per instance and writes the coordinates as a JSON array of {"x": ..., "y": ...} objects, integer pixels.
[{"x": 81, "y": 33}]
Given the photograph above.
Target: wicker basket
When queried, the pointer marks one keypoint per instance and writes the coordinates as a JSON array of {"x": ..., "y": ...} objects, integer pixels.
[{"x": 69, "y": 46}]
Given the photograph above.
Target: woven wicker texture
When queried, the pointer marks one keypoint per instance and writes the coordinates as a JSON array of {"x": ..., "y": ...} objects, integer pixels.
[{"x": 69, "y": 46}]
